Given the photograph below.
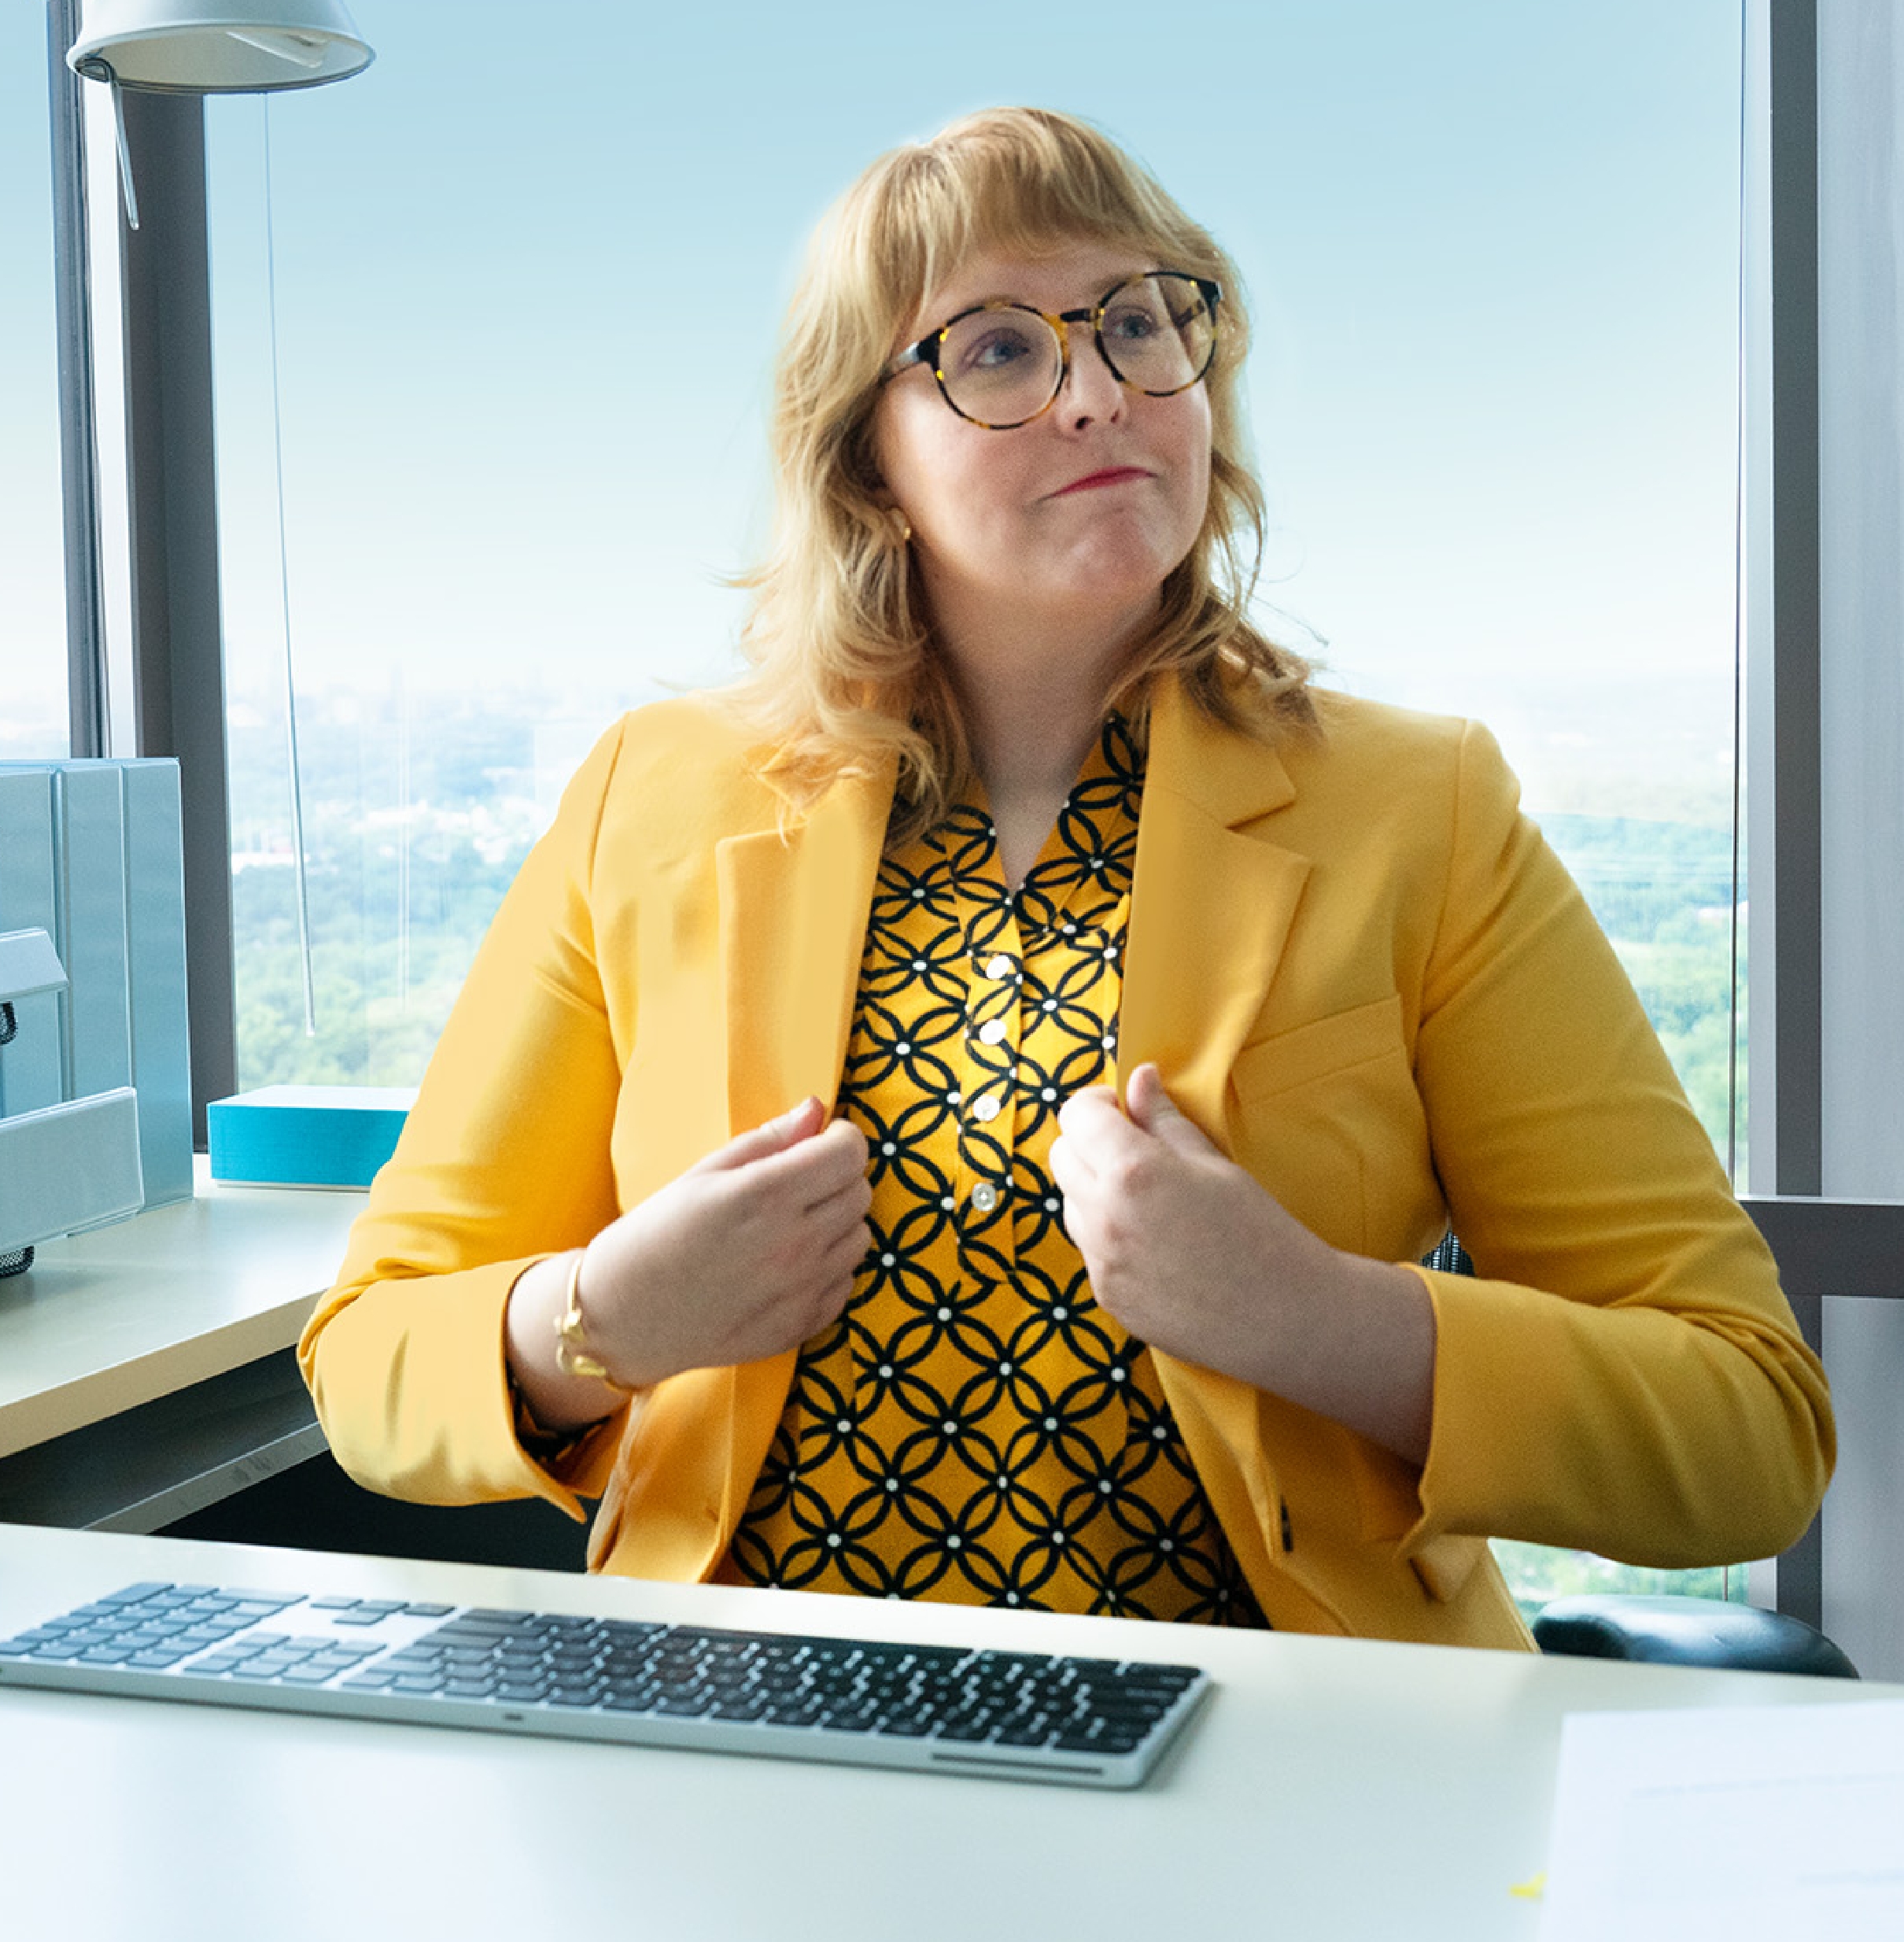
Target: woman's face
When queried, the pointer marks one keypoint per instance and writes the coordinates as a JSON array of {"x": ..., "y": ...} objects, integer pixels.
[{"x": 1073, "y": 520}]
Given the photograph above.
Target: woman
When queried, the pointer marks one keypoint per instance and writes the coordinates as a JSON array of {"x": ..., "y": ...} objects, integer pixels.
[{"x": 958, "y": 1117}]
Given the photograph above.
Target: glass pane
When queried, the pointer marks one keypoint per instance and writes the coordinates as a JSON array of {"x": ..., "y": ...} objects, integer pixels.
[
  {"x": 1492, "y": 251},
  {"x": 33, "y": 723}
]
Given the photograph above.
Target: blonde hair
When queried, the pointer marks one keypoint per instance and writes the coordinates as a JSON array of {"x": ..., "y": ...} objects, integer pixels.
[{"x": 840, "y": 639}]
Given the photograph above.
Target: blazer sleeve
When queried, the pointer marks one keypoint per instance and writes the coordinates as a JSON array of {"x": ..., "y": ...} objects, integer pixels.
[
  {"x": 1666, "y": 1411},
  {"x": 503, "y": 1161}
]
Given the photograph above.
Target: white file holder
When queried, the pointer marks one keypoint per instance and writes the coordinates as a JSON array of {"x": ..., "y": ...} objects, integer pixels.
[
  {"x": 92, "y": 852},
  {"x": 67, "y": 1166}
]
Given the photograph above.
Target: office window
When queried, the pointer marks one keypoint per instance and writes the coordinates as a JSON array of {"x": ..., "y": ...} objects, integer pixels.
[
  {"x": 33, "y": 722},
  {"x": 1492, "y": 254}
]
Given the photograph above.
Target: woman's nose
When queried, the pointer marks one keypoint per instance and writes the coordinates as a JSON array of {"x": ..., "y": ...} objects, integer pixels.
[{"x": 1090, "y": 391}]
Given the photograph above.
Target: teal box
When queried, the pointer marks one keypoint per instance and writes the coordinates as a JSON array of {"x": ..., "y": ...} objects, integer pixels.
[{"x": 306, "y": 1136}]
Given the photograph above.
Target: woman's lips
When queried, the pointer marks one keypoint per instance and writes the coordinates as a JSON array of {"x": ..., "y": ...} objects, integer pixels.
[{"x": 1113, "y": 475}]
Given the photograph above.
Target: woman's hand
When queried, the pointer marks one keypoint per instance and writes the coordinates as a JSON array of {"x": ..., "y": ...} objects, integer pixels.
[
  {"x": 1193, "y": 1256},
  {"x": 749, "y": 1252}
]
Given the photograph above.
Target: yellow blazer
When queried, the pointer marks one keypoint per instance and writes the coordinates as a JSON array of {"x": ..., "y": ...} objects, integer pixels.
[{"x": 1363, "y": 973}]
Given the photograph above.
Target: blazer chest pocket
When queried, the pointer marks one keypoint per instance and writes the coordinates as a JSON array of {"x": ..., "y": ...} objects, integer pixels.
[
  {"x": 1313, "y": 1051},
  {"x": 1327, "y": 1117}
]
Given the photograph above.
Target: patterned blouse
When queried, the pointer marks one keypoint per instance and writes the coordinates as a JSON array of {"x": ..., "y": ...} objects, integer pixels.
[{"x": 974, "y": 1428}]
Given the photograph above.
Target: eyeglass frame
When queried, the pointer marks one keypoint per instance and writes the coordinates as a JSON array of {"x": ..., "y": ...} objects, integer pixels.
[{"x": 927, "y": 350}]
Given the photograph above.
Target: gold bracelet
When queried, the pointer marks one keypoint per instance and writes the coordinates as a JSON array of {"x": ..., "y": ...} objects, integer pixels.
[{"x": 574, "y": 1356}]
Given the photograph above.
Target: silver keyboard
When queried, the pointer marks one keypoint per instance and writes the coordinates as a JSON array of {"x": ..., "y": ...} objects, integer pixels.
[{"x": 1093, "y": 1723}]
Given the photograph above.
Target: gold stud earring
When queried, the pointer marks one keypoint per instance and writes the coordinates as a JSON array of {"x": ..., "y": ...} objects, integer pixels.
[{"x": 902, "y": 527}]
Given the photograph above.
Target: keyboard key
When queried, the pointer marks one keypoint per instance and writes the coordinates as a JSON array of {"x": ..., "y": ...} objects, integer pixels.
[
  {"x": 969, "y": 1730},
  {"x": 1035, "y": 1733},
  {"x": 797, "y": 1714},
  {"x": 327, "y": 1662},
  {"x": 135, "y": 1594}
]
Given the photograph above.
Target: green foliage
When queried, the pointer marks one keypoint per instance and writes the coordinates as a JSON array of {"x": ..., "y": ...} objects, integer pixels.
[
  {"x": 1662, "y": 892},
  {"x": 410, "y": 842},
  {"x": 1536, "y": 1574}
]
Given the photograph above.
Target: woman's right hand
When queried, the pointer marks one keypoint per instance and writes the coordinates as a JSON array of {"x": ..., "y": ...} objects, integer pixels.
[{"x": 749, "y": 1252}]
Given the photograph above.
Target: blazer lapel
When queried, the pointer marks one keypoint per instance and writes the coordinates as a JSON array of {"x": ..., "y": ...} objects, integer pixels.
[
  {"x": 1211, "y": 905},
  {"x": 794, "y": 906},
  {"x": 793, "y": 925}
]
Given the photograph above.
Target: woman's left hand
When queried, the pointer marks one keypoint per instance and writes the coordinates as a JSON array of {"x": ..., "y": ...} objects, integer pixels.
[{"x": 1194, "y": 1257}]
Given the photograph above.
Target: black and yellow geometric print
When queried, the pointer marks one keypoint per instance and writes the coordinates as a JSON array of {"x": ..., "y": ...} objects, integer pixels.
[{"x": 974, "y": 1428}]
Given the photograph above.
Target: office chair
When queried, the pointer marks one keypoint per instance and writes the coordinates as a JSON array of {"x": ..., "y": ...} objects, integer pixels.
[{"x": 1670, "y": 1630}]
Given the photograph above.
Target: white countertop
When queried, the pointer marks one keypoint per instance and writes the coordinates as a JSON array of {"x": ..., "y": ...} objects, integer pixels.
[
  {"x": 104, "y": 1321},
  {"x": 1331, "y": 1791}
]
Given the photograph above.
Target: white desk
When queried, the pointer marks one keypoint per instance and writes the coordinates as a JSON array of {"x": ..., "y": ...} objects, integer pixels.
[
  {"x": 160, "y": 1343},
  {"x": 1332, "y": 1791}
]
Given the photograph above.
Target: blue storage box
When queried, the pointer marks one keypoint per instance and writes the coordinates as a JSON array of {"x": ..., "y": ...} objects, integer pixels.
[{"x": 306, "y": 1136}]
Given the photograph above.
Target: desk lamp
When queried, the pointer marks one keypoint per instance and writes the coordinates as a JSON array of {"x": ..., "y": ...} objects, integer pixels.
[{"x": 192, "y": 47}]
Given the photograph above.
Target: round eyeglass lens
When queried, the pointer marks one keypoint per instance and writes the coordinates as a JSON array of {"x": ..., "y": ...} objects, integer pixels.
[
  {"x": 1159, "y": 333},
  {"x": 1002, "y": 364}
]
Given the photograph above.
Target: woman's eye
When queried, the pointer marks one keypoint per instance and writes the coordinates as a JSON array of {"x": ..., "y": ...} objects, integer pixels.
[
  {"x": 996, "y": 350},
  {"x": 1131, "y": 324}
]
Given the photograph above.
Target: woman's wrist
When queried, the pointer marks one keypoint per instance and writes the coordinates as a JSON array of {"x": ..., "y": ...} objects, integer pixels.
[{"x": 551, "y": 1356}]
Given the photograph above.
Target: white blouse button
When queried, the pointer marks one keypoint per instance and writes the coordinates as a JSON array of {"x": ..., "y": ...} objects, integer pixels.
[
  {"x": 984, "y": 1197},
  {"x": 998, "y": 967},
  {"x": 985, "y": 1109},
  {"x": 992, "y": 1030}
]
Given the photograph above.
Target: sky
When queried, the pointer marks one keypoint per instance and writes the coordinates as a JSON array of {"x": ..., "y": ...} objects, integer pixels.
[{"x": 1490, "y": 245}]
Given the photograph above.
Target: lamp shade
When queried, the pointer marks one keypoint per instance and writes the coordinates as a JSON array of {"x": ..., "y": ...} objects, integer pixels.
[{"x": 190, "y": 47}]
